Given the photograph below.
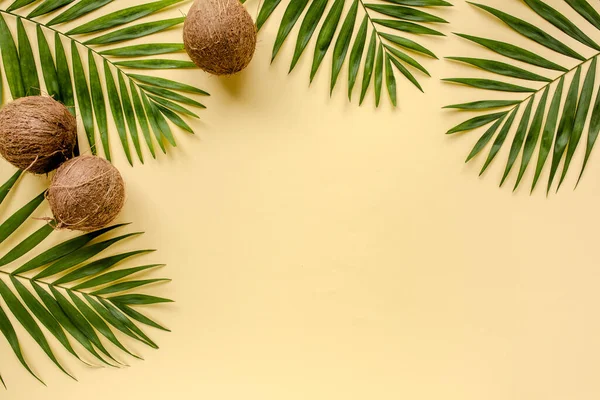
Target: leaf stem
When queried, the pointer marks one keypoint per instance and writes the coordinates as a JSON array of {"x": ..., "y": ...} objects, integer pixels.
[
  {"x": 78, "y": 42},
  {"x": 50, "y": 284}
]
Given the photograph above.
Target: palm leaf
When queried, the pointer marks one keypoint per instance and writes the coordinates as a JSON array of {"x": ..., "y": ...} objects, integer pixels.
[
  {"x": 69, "y": 290},
  {"x": 88, "y": 87},
  {"x": 559, "y": 137},
  {"x": 332, "y": 25}
]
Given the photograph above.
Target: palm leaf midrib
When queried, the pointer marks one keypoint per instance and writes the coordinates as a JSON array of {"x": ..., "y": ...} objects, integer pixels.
[
  {"x": 78, "y": 42},
  {"x": 553, "y": 81},
  {"x": 25, "y": 278}
]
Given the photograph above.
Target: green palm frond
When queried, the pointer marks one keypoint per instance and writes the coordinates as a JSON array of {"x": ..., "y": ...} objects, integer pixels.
[
  {"x": 375, "y": 37},
  {"x": 71, "y": 289},
  {"x": 545, "y": 122},
  {"x": 98, "y": 81}
]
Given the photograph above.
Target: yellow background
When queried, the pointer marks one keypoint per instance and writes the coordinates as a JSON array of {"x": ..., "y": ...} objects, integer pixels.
[{"x": 321, "y": 250}]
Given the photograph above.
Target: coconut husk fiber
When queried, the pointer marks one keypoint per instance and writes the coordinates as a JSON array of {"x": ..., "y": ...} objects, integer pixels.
[
  {"x": 219, "y": 36},
  {"x": 86, "y": 194},
  {"x": 37, "y": 134}
]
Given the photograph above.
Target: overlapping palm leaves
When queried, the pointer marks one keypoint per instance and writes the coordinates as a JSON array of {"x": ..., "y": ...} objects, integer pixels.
[
  {"x": 374, "y": 36},
  {"x": 76, "y": 296},
  {"x": 98, "y": 78},
  {"x": 541, "y": 126}
]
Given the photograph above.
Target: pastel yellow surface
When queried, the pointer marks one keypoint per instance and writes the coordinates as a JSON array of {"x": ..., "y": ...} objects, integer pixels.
[{"x": 321, "y": 250}]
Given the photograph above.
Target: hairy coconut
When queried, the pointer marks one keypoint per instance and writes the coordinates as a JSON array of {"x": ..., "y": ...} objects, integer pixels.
[
  {"x": 37, "y": 134},
  {"x": 86, "y": 194},
  {"x": 219, "y": 36}
]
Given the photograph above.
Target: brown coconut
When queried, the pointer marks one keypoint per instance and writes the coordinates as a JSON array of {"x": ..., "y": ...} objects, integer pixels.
[
  {"x": 37, "y": 134},
  {"x": 219, "y": 36},
  {"x": 86, "y": 194}
]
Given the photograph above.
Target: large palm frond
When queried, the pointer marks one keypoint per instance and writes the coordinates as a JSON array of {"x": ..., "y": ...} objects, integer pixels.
[
  {"x": 375, "y": 36},
  {"x": 76, "y": 296},
  {"x": 540, "y": 127},
  {"x": 99, "y": 78}
]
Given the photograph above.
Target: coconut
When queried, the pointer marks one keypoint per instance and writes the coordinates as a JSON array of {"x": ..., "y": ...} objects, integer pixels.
[
  {"x": 37, "y": 134},
  {"x": 219, "y": 36},
  {"x": 86, "y": 194}
]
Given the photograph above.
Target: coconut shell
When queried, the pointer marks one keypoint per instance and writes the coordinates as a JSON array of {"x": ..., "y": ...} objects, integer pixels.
[
  {"x": 37, "y": 134},
  {"x": 86, "y": 194},
  {"x": 219, "y": 36}
]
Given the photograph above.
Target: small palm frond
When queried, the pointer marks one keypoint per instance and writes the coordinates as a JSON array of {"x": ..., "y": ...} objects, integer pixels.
[
  {"x": 540, "y": 125},
  {"x": 99, "y": 79},
  {"x": 71, "y": 292},
  {"x": 375, "y": 37}
]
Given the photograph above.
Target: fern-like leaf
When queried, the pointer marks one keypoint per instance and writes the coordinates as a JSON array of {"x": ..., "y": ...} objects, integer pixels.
[
  {"x": 99, "y": 83},
  {"x": 389, "y": 24},
  {"x": 557, "y": 139},
  {"x": 71, "y": 288}
]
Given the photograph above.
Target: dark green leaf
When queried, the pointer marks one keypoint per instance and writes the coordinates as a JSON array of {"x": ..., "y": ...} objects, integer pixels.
[
  {"x": 174, "y": 118},
  {"x": 117, "y": 110},
  {"x": 125, "y": 286},
  {"x": 406, "y": 58},
  {"x": 390, "y": 80},
  {"x": 96, "y": 267},
  {"x": 63, "y": 249},
  {"x": 19, "y": 217},
  {"x": 118, "y": 314},
  {"x": 307, "y": 28},
  {"x": 378, "y": 77},
  {"x": 140, "y": 317},
  {"x": 10, "y": 60},
  {"x": 499, "y": 140},
  {"x": 113, "y": 276},
  {"x": 27, "y": 321},
  {"x": 326, "y": 35},
  {"x": 514, "y": 52},
  {"x": 356, "y": 55},
  {"x": 485, "y": 138},
  {"x": 27, "y": 244},
  {"x": 99, "y": 104},
  {"x": 48, "y": 6},
  {"x": 501, "y": 68},
  {"x": 141, "y": 50},
  {"x": 130, "y": 116},
  {"x": 8, "y": 185},
  {"x": 151, "y": 112},
  {"x": 172, "y": 105},
  {"x": 484, "y": 105},
  {"x": 80, "y": 9},
  {"x": 405, "y": 13},
  {"x": 156, "y": 63},
  {"x": 31, "y": 81},
  {"x": 409, "y": 27},
  {"x": 342, "y": 43},
  {"x": 549, "y": 131},
  {"x": 518, "y": 140},
  {"x": 63, "y": 74},
  {"x": 47, "y": 64},
  {"x": 84, "y": 100},
  {"x": 65, "y": 322},
  {"x": 79, "y": 256},
  {"x": 265, "y": 12},
  {"x": 586, "y": 11},
  {"x": 369, "y": 63},
  {"x": 138, "y": 299},
  {"x": 565, "y": 127},
  {"x": 408, "y": 44},
  {"x": 141, "y": 116},
  {"x": 532, "y": 32},
  {"x": 167, "y": 84},
  {"x": 490, "y": 84},
  {"x": 135, "y": 32},
  {"x": 561, "y": 22},
  {"x": 122, "y": 17},
  {"x": 583, "y": 109},
  {"x": 290, "y": 17},
  {"x": 11, "y": 336},
  {"x": 533, "y": 136},
  {"x": 476, "y": 122},
  {"x": 406, "y": 73},
  {"x": 593, "y": 131},
  {"x": 171, "y": 95}
]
